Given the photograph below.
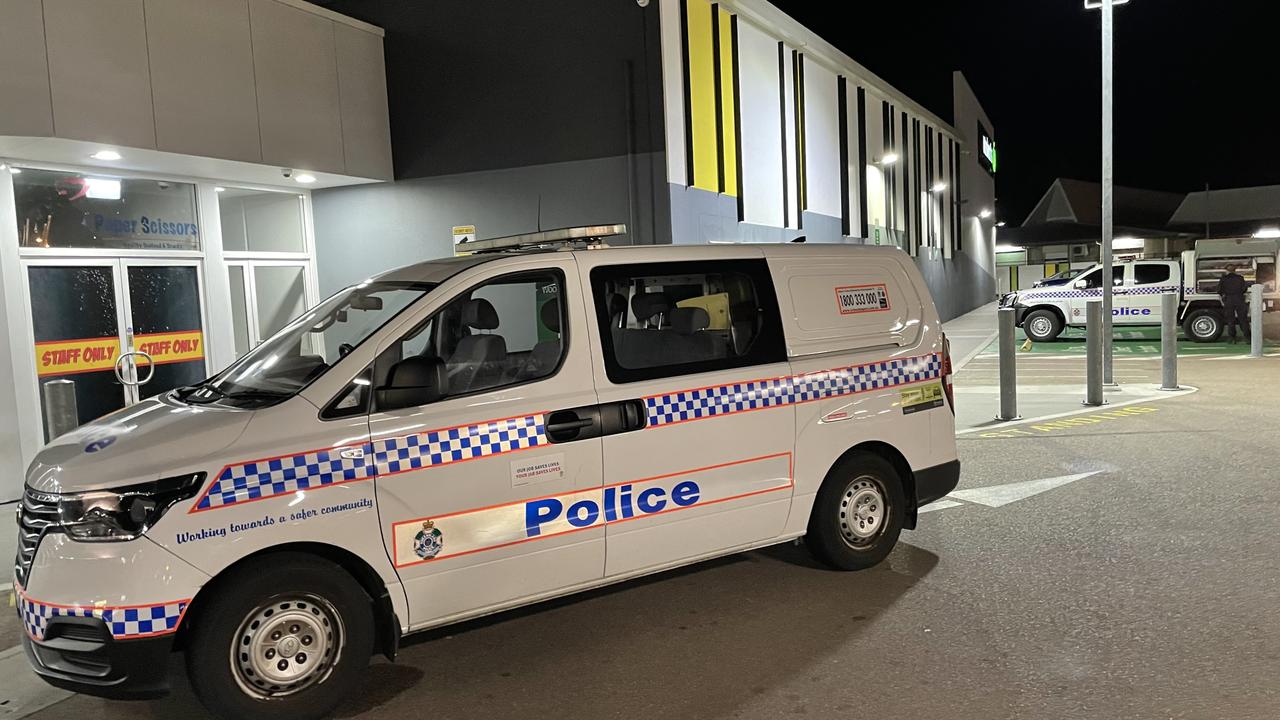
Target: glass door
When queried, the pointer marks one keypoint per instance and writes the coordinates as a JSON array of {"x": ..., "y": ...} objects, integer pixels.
[
  {"x": 78, "y": 323},
  {"x": 165, "y": 329},
  {"x": 108, "y": 333}
]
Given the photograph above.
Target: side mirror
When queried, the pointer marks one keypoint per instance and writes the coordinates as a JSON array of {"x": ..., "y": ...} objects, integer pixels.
[
  {"x": 1080, "y": 284},
  {"x": 413, "y": 382}
]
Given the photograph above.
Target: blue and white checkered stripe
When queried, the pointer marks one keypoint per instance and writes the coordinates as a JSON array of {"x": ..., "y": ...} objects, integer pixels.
[
  {"x": 738, "y": 397},
  {"x": 278, "y": 476},
  {"x": 442, "y": 447},
  {"x": 1153, "y": 290},
  {"x": 1094, "y": 292},
  {"x": 123, "y": 623}
]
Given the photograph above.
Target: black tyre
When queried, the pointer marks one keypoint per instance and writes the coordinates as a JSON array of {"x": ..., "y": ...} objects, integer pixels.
[
  {"x": 1042, "y": 325},
  {"x": 285, "y": 638},
  {"x": 858, "y": 513},
  {"x": 1203, "y": 325}
]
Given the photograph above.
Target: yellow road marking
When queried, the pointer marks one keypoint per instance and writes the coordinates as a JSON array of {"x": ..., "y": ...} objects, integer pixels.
[{"x": 1070, "y": 423}]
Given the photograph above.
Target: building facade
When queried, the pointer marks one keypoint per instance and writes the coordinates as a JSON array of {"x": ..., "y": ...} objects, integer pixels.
[
  {"x": 181, "y": 177},
  {"x": 156, "y": 165}
]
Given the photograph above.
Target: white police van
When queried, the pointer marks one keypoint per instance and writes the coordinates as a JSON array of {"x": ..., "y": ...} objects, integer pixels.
[{"x": 467, "y": 435}]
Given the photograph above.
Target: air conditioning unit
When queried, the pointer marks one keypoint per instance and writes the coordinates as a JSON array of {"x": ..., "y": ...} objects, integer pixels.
[{"x": 1079, "y": 251}]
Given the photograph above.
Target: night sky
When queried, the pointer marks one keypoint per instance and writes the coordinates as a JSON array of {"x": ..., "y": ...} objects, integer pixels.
[{"x": 1196, "y": 84}]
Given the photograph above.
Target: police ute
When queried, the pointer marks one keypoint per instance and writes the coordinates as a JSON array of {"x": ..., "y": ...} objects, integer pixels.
[
  {"x": 459, "y": 437},
  {"x": 1137, "y": 287}
]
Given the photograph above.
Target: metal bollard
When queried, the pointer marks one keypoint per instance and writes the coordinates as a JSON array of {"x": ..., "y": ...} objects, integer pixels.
[
  {"x": 1005, "y": 318},
  {"x": 60, "y": 414},
  {"x": 1093, "y": 354},
  {"x": 1256, "y": 308},
  {"x": 1169, "y": 342}
]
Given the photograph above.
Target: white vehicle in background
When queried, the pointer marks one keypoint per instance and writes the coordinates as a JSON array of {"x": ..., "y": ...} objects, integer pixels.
[
  {"x": 464, "y": 436},
  {"x": 1137, "y": 286}
]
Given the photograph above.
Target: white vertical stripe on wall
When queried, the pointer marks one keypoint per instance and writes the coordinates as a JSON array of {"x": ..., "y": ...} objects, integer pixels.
[
  {"x": 761, "y": 131},
  {"x": 873, "y": 174},
  {"x": 789, "y": 147},
  {"x": 822, "y": 138},
  {"x": 673, "y": 90},
  {"x": 947, "y": 198}
]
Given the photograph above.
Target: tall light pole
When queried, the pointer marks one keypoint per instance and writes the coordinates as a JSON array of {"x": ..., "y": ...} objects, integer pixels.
[{"x": 1108, "y": 176}]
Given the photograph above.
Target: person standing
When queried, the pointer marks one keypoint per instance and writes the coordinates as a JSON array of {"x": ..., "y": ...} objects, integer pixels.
[{"x": 1231, "y": 289}]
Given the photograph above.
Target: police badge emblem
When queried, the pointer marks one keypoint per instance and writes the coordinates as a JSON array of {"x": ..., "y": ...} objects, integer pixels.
[{"x": 429, "y": 541}]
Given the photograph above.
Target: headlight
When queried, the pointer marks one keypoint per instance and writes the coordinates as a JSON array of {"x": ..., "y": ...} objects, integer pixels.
[
  {"x": 1008, "y": 300},
  {"x": 123, "y": 513}
]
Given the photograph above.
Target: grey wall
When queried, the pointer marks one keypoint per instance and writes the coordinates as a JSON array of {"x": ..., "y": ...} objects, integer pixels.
[
  {"x": 488, "y": 84},
  {"x": 366, "y": 229}
]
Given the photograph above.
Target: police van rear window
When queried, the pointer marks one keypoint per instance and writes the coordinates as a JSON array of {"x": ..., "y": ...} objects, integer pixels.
[{"x": 668, "y": 319}]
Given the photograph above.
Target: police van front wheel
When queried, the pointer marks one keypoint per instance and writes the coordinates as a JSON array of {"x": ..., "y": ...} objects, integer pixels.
[
  {"x": 857, "y": 514},
  {"x": 285, "y": 638}
]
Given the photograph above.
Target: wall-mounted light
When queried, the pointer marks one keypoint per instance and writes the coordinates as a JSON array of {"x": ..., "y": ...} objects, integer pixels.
[
  {"x": 1009, "y": 248},
  {"x": 305, "y": 178},
  {"x": 1267, "y": 233},
  {"x": 889, "y": 159},
  {"x": 14, "y": 170},
  {"x": 986, "y": 213},
  {"x": 1128, "y": 242},
  {"x": 108, "y": 155},
  {"x": 1000, "y": 224},
  {"x": 938, "y": 187}
]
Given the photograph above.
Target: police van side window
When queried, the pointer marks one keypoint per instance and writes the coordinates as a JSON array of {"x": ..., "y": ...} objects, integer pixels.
[
  {"x": 507, "y": 331},
  {"x": 668, "y": 319},
  {"x": 1150, "y": 273}
]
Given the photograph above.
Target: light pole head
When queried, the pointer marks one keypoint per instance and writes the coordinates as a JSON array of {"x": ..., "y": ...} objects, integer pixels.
[{"x": 1095, "y": 4}]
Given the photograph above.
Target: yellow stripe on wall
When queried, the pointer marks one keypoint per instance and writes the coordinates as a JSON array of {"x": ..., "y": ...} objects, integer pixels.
[
  {"x": 702, "y": 97},
  {"x": 728, "y": 97}
]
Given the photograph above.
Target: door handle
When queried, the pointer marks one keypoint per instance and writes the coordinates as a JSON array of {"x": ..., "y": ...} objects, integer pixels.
[{"x": 575, "y": 424}]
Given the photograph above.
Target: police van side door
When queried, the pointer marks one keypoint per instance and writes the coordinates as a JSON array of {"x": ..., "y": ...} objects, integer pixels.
[
  {"x": 455, "y": 474},
  {"x": 1144, "y": 287},
  {"x": 695, "y": 350}
]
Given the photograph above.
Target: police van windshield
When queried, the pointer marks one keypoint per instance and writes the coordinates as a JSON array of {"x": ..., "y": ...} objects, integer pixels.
[{"x": 305, "y": 348}]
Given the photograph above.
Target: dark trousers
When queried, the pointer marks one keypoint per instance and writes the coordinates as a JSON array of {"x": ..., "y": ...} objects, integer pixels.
[{"x": 1237, "y": 313}]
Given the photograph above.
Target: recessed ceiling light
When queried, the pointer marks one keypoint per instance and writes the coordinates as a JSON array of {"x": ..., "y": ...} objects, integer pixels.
[
  {"x": 305, "y": 178},
  {"x": 106, "y": 155},
  {"x": 219, "y": 189}
]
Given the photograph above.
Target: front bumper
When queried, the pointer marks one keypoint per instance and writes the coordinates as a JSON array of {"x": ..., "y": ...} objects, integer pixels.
[
  {"x": 77, "y": 656},
  {"x": 935, "y": 482}
]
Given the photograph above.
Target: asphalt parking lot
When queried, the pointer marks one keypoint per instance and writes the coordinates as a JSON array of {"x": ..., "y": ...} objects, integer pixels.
[{"x": 1124, "y": 567}]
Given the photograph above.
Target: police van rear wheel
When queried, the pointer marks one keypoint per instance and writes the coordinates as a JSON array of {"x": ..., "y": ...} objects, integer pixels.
[
  {"x": 1042, "y": 325},
  {"x": 858, "y": 513},
  {"x": 1203, "y": 325},
  {"x": 286, "y": 638}
]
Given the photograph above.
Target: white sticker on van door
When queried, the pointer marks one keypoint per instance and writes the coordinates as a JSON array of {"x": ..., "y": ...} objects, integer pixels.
[
  {"x": 853, "y": 299},
  {"x": 538, "y": 469}
]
